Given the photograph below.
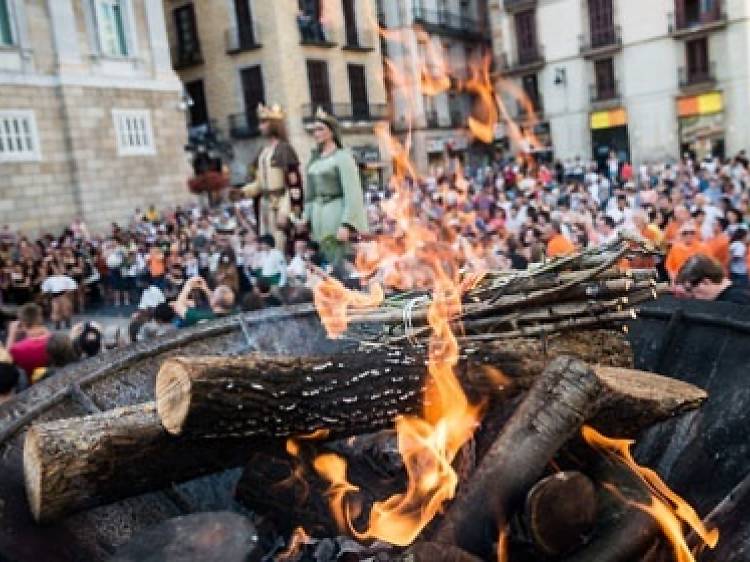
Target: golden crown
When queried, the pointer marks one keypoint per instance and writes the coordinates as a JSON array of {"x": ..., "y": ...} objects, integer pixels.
[
  {"x": 322, "y": 115},
  {"x": 273, "y": 112}
]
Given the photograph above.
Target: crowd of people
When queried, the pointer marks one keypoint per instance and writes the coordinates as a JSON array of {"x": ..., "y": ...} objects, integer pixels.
[{"x": 184, "y": 265}]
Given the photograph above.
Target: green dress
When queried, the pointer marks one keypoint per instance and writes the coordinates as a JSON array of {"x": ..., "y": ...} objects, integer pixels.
[{"x": 333, "y": 195}]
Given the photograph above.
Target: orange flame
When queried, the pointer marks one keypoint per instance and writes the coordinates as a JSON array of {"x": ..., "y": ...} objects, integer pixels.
[
  {"x": 298, "y": 539},
  {"x": 668, "y": 509},
  {"x": 434, "y": 70},
  {"x": 480, "y": 84},
  {"x": 298, "y": 473},
  {"x": 332, "y": 300},
  {"x": 502, "y": 545}
]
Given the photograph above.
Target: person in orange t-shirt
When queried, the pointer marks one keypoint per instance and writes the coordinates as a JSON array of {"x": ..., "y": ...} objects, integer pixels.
[
  {"x": 719, "y": 243},
  {"x": 688, "y": 246},
  {"x": 156, "y": 266},
  {"x": 681, "y": 216},
  {"x": 557, "y": 244}
]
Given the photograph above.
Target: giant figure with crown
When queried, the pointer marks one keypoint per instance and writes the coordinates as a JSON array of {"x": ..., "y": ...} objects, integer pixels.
[{"x": 277, "y": 184}]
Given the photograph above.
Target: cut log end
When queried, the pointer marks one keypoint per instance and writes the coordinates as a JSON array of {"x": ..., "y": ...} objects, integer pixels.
[
  {"x": 32, "y": 462},
  {"x": 173, "y": 395}
]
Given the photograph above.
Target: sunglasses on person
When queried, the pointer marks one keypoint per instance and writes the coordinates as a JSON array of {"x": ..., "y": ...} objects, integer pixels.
[{"x": 688, "y": 232}]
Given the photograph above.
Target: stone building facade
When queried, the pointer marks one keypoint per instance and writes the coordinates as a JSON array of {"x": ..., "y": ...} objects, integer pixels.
[
  {"x": 647, "y": 79},
  {"x": 90, "y": 117},
  {"x": 300, "y": 54}
]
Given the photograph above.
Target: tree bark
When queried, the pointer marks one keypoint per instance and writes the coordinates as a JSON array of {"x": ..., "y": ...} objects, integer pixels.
[
  {"x": 77, "y": 463},
  {"x": 258, "y": 396},
  {"x": 564, "y": 396}
]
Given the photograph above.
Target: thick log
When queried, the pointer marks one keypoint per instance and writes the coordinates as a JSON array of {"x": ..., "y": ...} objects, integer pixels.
[
  {"x": 355, "y": 393},
  {"x": 77, "y": 463},
  {"x": 564, "y": 396},
  {"x": 560, "y": 512}
]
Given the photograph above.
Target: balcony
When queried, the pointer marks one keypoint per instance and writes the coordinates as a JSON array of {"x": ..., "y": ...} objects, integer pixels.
[
  {"x": 681, "y": 26},
  {"x": 601, "y": 42},
  {"x": 527, "y": 60},
  {"x": 351, "y": 112},
  {"x": 697, "y": 80},
  {"x": 314, "y": 33},
  {"x": 185, "y": 58},
  {"x": 604, "y": 94},
  {"x": 450, "y": 24},
  {"x": 512, "y": 6},
  {"x": 243, "y": 126},
  {"x": 241, "y": 39},
  {"x": 360, "y": 40}
]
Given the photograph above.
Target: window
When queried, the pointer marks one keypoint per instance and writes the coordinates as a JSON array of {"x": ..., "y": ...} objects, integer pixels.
[
  {"x": 111, "y": 28},
  {"x": 19, "y": 138},
  {"x": 358, "y": 90},
  {"x": 697, "y": 58},
  {"x": 320, "y": 88},
  {"x": 605, "y": 79},
  {"x": 530, "y": 84},
  {"x": 253, "y": 93},
  {"x": 134, "y": 134},
  {"x": 601, "y": 22},
  {"x": 245, "y": 28},
  {"x": 187, "y": 32},
  {"x": 526, "y": 36},
  {"x": 199, "y": 110},
  {"x": 6, "y": 33},
  {"x": 350, "y": 24}
]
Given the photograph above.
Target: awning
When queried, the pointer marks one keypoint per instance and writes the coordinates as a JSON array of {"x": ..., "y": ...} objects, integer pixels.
[
  {"x": 609, "y": 118},
  {"x": 704, "y": 104}
]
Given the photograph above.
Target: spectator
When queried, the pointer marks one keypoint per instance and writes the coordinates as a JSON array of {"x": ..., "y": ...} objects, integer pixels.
[
  {"x": 60, "y": 288},
  {"x": 557, "y": 244},
  {"x": 9, "y": 376},
  {"x": 30, "y": 324},
  {"x": 161, "y": 323},
  {"x": 273, "y": 265},
  {"x": 738, "y": 258},
  {"x": 87, "y": 339},
  {"x": 703, "y": 278},
  {"x": 687, "y": 246},
  {"x": 220, "y": 302}
]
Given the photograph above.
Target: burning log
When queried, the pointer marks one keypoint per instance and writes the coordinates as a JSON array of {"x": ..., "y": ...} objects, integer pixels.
[
  {"x": 436, "y": 552},
  {"x": 566, "y": 395},
  {"x": 77, "y": 463},
  {"x": 258, "y": 396},
  {"x": 65, "y": 460},
  {"x": 560, "y": 511}
]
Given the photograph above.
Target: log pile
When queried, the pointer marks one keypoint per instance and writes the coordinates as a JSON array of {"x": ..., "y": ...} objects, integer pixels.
[{"x": 526, "y": 474}]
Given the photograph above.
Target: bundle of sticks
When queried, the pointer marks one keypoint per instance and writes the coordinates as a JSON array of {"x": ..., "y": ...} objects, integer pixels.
[{"x": 581, "y": 291}]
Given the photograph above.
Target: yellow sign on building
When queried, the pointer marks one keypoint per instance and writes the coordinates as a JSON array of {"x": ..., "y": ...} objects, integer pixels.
[
  {"x": 704, "y": 104},
  {"x": 608, "y": 119}
]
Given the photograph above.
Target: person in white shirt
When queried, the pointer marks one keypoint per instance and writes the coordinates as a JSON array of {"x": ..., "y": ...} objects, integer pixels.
[
  {"x": 273, "y": 264},
  {"x": 59, "y": 288},
  {"x": 297, "y": 269}
]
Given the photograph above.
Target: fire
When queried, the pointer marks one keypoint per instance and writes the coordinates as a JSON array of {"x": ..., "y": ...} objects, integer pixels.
[
  {"x": 297, "y": 477},
  {"x": 298, "y": 539},
  {"x": 332, "y": 300},
  {"x": 669, "y": 510},
  {"x": 502, "y": 545},
  {"x": 480, "y": 84},
  {"x": 420, "y": 253}
]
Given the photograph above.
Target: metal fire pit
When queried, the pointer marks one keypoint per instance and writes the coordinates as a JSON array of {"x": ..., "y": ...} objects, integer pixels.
[
  {"x": 122, "y": 378},
  {"x": 703, "y": 455}
]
